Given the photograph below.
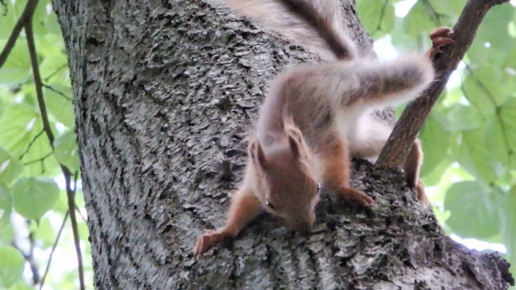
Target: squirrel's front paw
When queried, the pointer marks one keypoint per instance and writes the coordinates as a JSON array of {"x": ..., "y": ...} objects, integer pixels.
[
  {"x": 440, "y": 37},
  {"x": 205, "y": 241},
  {"x": 354, "y": 197}
]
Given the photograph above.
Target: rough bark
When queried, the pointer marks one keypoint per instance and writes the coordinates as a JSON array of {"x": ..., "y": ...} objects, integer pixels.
[{"x": 165, "y": 92}]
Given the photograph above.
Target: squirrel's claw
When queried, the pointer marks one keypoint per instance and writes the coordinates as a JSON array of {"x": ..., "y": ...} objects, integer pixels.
[
  {"x": 440, "y": 37},
  {"x": 441, "y": 32},
  {"x": 354, "y": 197}
]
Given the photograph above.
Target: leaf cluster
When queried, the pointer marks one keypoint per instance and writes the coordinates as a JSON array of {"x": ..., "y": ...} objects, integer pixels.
[{"x": 32, "y": 201}]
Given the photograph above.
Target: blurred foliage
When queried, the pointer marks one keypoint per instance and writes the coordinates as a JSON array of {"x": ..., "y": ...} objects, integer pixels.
[
  {"x": 33, "y": 202},
  {"x": 469, "y": 139}
]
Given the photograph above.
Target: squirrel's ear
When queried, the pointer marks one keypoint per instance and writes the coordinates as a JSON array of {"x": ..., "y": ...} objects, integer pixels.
[
  {"x": 257, "y": 154},
  {"x": 295, "y": 141},
  {"x": 294, "y": 146}
]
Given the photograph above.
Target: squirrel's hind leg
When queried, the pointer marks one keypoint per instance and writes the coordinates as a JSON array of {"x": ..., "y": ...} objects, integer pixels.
[
  {"x": 412, "y": 169},
  {"x": 336, "y": 163}
]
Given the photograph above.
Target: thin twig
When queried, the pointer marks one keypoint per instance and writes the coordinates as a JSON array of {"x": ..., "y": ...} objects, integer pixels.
[
  {"x": 50, "y": 135},
  {"x": 55, "y": 72},
  {"x": 5, "y": 6},
  {"x": 53, "y": 249},
  {"x": 25, "y": 16},
  {"x": 73, "y": 218},
  {"x": 32, "y": 262},
  {"x": 76, "y": 176},
  {"x": 30, "y": 259},
  {"x": 38, "y": 160},
  {"x": 57, "y": 92},
  {"x": 31, "y": 142},
  {"x": 80, "y": 214},
  {"x": 408, "y": 126}
]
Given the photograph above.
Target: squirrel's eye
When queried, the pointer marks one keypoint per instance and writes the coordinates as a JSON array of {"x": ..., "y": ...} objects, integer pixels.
[
  {"x": 270, "y": 205},
  {"x": 318, "y": 187}
]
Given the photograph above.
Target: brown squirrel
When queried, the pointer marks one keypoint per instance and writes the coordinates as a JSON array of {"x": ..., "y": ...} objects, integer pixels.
[{"x": 315, "y": 116}]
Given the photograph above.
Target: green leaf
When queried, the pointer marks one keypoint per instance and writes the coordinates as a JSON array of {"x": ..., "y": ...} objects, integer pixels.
[
  {"x": 50, "y": 45},
  {"x": 453, "y": 8},
  {"x": 507, "y": 114},
  {"x": 6, "y": 234},
  {"x": 435, "y": 143},
  {"x": 59, "y": 103},
  {"x": 433, "y": 177},
  {"x": 19, "y": 6},
  {"x": 418, "y": 22},
  {"x": 53, "y": 25},
  {"x": 471, "y": 152},
  {"x": 482, "y": 88},
  {"x": 6, "y": 206},
  {"x": 54, "y": 69},
  {"x": 11, "y": 266},
  {"x": 369, "y": 12},
  {"x": 474, "y": 210},
  {"x": 7, "y": 20},
  {"x": 79, "y": 197},
  {"x": 10, "y": 168},
  {"x": 33, "y": 197},
  {"x": 452, "y": 96},
  {"x": 482, "y": 52},
  {"x": 83, "y": 231},
  {"x": 461, "y": 117},
  {"x": 488, "y": 78},
  {"x": 444, "y": 11},
  {"x": 478, "y": 52},
  {"x": 400, "y": 40},
  {"x": 496, "y": 141},
  {"x": 40, "y": 18},
  {"x": 66, "y": 150},
  {"x": 389, "y": 18},
  {"x": 18, "y": 122},
  {"x": 495, "y": 27},
  {"x": 45, "y": 233},
  {"x": 510, "y": 59},
  {"x": 17, "y": 68},
  {"x": 61, "y": 205},
  {"x": 21, "y": 125}
]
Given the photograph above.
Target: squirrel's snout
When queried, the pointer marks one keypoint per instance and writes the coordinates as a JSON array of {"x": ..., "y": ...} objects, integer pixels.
[
  {"x": 305, "y": 231},
  {"x": 304, "y": 228}
]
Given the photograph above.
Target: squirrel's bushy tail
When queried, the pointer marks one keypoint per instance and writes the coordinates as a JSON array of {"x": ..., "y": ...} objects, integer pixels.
[{"x": 314, "y": 24}]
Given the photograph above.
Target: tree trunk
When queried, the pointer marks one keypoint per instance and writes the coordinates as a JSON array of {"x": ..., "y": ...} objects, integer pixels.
[{"x": 165, "y": 93}]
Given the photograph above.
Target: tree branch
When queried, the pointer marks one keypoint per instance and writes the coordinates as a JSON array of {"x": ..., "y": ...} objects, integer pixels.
[
  {"x": 413, "y": 117},
  {"x": 26, "y": 15},
  {"x": 80, "y": 214},
  {"x": 53, "y": 249},
  {"x": 46, "y": 126},
  {"x": 29, "y": 257},
  {"x": 33, "y": 265}
]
